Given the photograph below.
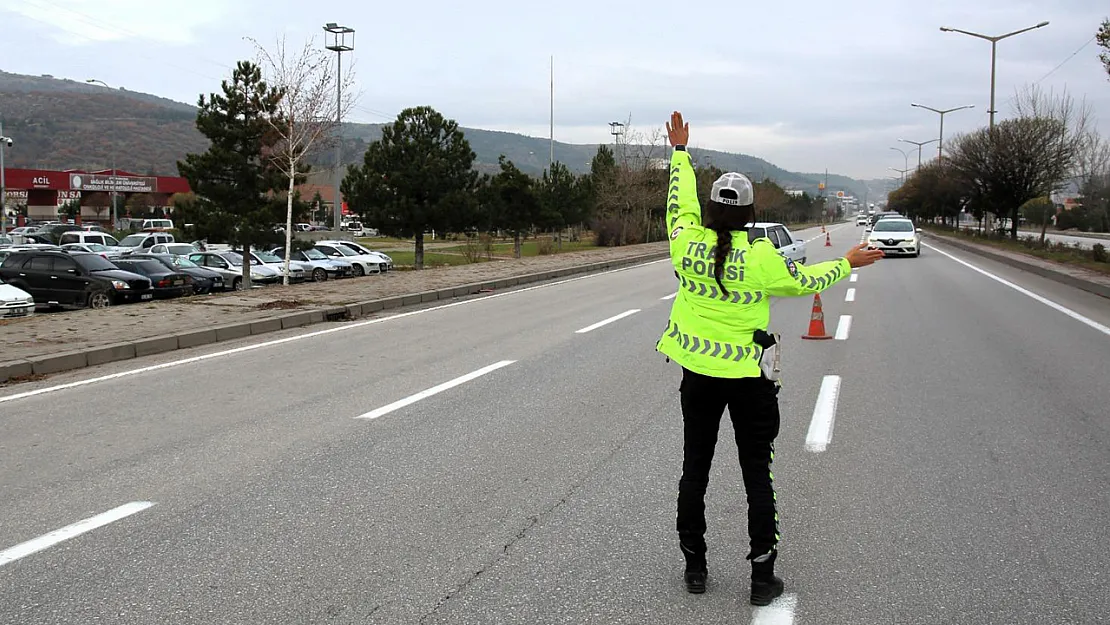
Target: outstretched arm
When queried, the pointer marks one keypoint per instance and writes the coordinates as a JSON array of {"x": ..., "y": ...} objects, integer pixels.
[
  {"x": 782, "y": 277},
  {"x": 683, "y": 209}
]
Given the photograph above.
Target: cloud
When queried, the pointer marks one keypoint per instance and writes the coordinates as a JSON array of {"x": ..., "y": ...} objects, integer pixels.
[
  {"x": 804, "y": 84},
  {"x": 80, "y": 22}
]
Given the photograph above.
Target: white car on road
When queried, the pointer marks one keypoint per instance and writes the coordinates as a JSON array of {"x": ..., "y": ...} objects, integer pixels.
[
  {"x": 861, "y": 220},
  {"x": 787, "y": 244},
  {"x": 895, "y": 236}
]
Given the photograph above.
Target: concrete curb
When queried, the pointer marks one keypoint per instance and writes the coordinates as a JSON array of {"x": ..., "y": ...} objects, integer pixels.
[
  {"x": 1059, "y": 276},
  {"x": 54, "y": 363}
]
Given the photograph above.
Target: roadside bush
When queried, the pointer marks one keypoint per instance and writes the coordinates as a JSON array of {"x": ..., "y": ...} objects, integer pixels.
[
  {"x": 472, "y": 249},
  {"x": 1098, "y": 253},
  {"x": 545, "y": 247},
  {"x": 612, "y": 231}
]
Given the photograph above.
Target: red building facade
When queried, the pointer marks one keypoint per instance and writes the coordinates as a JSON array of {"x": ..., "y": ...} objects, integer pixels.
[{"x": 42, "y": 191}]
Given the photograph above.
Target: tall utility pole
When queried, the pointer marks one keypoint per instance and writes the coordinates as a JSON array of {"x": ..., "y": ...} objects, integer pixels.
[
  {"x": 940, "y": 141},
  {"x": 338, "y": 43},
  {"x": 551, "y": 158},
  {"x": 919, "y": 145},
  {"x": 4, "y": 141},
  {"x": 114, "y": 199},
  {"x": 994, "y": 52}
]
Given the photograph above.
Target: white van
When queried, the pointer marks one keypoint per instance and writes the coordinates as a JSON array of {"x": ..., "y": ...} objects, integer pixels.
[{"x": 156, "y": 225}]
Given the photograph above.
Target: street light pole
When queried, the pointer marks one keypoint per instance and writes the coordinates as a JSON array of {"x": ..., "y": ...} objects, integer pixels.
[
  {"x": 112, "y": 193},
  {"x": 994, "y": 53},
  {"x": 905, "y": 157},
  {"x": 3, "y": 183},
  {"x": 339, "y": 45},
  {"x": 919, "y": 145},
  {"x": 942, "y": 113},
  {"x": 902, "y": 172}
]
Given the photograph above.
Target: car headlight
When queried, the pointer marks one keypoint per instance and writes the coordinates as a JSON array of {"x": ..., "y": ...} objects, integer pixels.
[
  {"x": 119, "y": 285},
  {"x": 256, "y": 276}
]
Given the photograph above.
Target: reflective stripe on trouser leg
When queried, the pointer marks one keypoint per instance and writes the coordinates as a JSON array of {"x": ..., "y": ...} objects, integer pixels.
[{"x": 775, "y": 499}]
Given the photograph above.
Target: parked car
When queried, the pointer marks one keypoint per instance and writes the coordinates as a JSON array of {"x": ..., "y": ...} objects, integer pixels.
[
  {"x": 363, "y": 263},
  {"x": 15, "y": 302},
  {"x": 297, "y": 271},
  {"x": 56, "y": 278},
  {"x": 204, "y": 280},
  {"x": 176, "y": 249},
  {"x": 384, "y": 261},
  {"x": 167, "y": 282},
  {"x": 5, "y": 240},
  {"x": 86, "y": 237},
  {"x": 230, "y": 264},
  {"x": 780, "y": 236},
  {"x": 322, "y": 266},
  {"x": 92, "y": 248},
  {"x": 143, "y": 241}
]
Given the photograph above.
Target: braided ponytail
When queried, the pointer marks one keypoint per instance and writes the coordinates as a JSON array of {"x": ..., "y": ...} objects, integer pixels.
[{"x": 721, "y": 253}]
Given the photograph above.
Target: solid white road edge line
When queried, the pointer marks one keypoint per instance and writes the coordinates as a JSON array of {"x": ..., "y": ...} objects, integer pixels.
[
  {"x": 824, "y": 413},
  {"x": 780, "y": 612},
  {"x": 671, "y": 296},
  {"x": 843, "y": 327},
  {"x": 34, "y": 545},
  {"x": 1044, "y": 300},
  {"x": 603, "y": 322},
  {"x": 853, "y": 278},
  {"x": 850, "y": 296},
  {"x": 299, "y": 337},
  {"x": 412, "y": 399}
]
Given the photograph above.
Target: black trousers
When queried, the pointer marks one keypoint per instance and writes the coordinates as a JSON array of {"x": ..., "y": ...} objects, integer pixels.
[{"x": 753, "y": 406}]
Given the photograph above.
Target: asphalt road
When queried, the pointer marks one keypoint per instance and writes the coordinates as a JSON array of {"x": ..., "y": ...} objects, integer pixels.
[{"x": 511, "y": 468}]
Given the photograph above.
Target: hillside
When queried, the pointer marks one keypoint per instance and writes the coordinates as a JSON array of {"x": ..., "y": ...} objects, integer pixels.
[{"x": 64, "y": 124}]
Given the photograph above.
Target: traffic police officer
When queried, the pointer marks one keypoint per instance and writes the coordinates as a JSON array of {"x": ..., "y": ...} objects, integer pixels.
[{"x": 725, "y": 285}]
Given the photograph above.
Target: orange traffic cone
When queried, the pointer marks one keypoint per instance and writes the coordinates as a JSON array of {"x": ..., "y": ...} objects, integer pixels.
[
  {"x": 822, "y": 227},
  {"x": 828, "y": 243},
  {"x": 817, "y": 321}
]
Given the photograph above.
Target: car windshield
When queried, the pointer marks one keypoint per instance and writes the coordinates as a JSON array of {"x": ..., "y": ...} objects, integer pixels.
[
  {"x": 132, "y": 240},
  {"x": 92, "y": 262},
  {"x": 5, "y": 240},
  {"x": 181, "y": 261},
  {"x": 181, "y": 249},
  {"x": 146, "y": 265},
  {"x": 358, "y": 249},
  {"x": 315, "y": 254},
  {"x": 892, "y": 225},
  {"x": 96, "y": 247},
  {"x": 268, "y": 257},
  {"x": 344, "y": 251}
]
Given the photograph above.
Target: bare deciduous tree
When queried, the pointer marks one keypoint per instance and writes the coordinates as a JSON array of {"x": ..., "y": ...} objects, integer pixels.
[
  {"x": 313, "y": 95},
  {"x": 1030, "y": 156}
]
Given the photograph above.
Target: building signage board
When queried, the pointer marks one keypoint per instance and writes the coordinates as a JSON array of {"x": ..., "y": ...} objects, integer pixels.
[{"x": 119, "y": 184}]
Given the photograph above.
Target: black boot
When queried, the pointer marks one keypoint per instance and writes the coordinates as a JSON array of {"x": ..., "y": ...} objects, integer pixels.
[
  {"x": 765, "y": 586},
  {"x": 696, "y": 570}
]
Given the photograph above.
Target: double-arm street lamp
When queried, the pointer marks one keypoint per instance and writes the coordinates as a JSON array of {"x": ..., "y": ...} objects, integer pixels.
[
  {"x": 942, "y": 113},
  {"x": 994, "y": 49},
  {"x": 919, "y": 145},
  {"x": 905, "y": 157}
]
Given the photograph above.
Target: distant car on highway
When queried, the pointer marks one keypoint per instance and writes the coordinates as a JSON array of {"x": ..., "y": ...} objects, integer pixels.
[
  {"x": 895, "y": 236},
  {"x": 884, "y": 215},
  {"x": 789, "y": 246},
  {"x": 861, "y": 220}
]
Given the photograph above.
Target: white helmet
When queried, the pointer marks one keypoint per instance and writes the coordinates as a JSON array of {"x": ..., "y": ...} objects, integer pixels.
[{"x": 739, "y": 185}]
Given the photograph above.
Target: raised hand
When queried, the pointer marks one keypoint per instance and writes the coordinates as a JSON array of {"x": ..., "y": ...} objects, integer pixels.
[{"x": 678, "y": 132}]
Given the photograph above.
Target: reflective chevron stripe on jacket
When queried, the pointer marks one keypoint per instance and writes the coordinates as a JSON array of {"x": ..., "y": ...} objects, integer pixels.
[
  {"x": 711, "y": 291},
  {"x": 714, "y": 349}
]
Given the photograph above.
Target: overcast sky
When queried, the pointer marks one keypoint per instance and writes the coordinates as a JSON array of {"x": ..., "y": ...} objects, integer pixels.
[{"x": 805, "y": 84}]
